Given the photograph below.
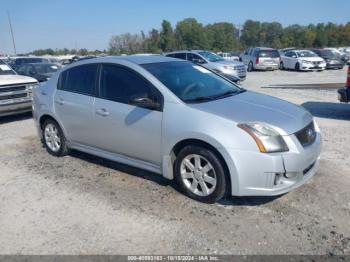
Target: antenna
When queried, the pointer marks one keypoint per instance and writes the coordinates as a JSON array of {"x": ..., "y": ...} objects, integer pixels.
[{"x": 13, "y": 37}]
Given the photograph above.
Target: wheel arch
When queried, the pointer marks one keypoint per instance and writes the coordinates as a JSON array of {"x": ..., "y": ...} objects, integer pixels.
[{"x": 169, "y": 160}]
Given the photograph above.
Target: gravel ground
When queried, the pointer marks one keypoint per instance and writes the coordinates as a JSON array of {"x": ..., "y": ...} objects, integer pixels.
[{"x": 81, "y": 204}]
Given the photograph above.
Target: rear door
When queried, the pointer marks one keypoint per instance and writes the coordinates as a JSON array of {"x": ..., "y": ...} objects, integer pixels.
[{"x": 74, "y": 100}]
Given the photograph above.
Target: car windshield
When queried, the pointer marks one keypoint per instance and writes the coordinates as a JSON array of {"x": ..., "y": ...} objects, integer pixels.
[
  {"x": 46, "y": 68},
  {"x": 211, "y": 56},
  {"x": 306, "y": 54},
  {"x": 21, "y": 61},
  {"x": 192, "y": 83},
  {"x": 5, "y": 69},
  {"x": 269, "y": 53}
]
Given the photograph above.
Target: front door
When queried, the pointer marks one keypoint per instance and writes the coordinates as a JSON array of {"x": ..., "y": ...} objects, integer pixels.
[{"x": 123, "y": 128}]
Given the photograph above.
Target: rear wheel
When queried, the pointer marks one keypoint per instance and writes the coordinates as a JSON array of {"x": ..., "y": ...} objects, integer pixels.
[
  {"x": 53, "y": 138},
  {"x": 200, "y": 174},
  {"x": 250, "y": 67}
]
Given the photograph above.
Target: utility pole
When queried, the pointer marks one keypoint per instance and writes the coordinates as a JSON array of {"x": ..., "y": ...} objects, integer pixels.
[{"x": 13, "y": 37}]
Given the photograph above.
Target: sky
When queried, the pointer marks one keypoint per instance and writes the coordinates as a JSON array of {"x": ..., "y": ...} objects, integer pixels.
[{"x": 91, "y": 23}]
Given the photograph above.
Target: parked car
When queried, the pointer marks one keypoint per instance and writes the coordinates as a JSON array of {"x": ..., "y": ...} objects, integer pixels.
[
  {"x": 180, "y": 120},
  {"x": 27, "y": 60},
  {"x": 344, "y": 93},
  {"x": 15, "y": 91},
  {"x": 332, "y": 59},
  {"x": 40, "y": 71},
  {"x": 213, "y": 62},
  {"x": 344, "y": 57},
  {"x": 302, "y": 60},
  {"x": 229, "y": 56},
  {"x": 261, "y": 58}
]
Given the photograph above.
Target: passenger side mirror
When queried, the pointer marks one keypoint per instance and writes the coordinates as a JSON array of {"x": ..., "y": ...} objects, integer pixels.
[{"x": 145, "y": 102}]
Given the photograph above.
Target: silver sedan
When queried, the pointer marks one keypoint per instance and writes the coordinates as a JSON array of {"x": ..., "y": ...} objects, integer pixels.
[{"x": 179, "y": 120}]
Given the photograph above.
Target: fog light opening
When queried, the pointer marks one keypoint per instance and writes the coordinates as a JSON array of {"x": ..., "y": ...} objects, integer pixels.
[{"x": 277, "y": 180}]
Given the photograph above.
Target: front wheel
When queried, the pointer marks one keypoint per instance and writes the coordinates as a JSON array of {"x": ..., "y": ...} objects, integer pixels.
[
  {"x": 297, "y": 67},
  {"x": 53, "y": 138},
  {"x": 281, "y": 66},
  {"x": 200, "y": 174}
]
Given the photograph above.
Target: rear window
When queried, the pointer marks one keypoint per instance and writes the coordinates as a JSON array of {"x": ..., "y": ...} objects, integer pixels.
[
  {"x": 269, "y": 53},
  {"x": 20, "y": 61}
]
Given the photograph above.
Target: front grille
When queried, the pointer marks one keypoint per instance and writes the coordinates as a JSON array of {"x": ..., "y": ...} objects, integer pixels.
[
  {"x": 12, "y": 89},
  {"x": 316, "y": 63},
  {"x": 240, "y": 69},
  {"x": 307, "y": 135},
  {"x": 8, "y": 97}
]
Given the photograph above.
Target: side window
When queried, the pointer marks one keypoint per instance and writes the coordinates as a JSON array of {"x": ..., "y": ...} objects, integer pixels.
[
  {"x": 121, "y": 85},
  {"x": 288, "y": 54},
  {"x": 191, "y": 57},
  {"x": 170, "y": 55},
  {"x": 79, "y": 79},
  {"x": 181, "y": 56}
]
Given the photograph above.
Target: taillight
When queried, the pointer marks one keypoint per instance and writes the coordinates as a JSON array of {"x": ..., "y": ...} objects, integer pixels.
[
  {"x": 257, "y": 59},
  {"x": 348, "y": 79}
]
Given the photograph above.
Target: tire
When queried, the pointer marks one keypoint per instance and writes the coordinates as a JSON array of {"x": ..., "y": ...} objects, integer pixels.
[
  {"x": 53, "y": 138},
  {"x": 250, "y": 67},
  {"x": 297, "y": 67},
  {"x": 192, "y": 174},
  {"x": 281, "y": 66}
]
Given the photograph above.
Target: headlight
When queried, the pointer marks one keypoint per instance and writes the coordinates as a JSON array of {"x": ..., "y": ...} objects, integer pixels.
[
  {"x": 229, "y": 67},
  {"x": 31, "y": 86},
  {"x": 306, "y": 62},
  {"x": 267, "y": 139}
]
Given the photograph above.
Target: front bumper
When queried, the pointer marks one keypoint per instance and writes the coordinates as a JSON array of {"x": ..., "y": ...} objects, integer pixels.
[
  {"x": 335, "y": 66},
  {"x": 309, "y": 67},
  {"x": 16, "y": 106},
  {"x": 259, "y": 174}
]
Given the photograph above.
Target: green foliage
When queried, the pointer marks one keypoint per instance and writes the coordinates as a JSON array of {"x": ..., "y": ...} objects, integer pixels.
[{"x": 190, "y": 34}]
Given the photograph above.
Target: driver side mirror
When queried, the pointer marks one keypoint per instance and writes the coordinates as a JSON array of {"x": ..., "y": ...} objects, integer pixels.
[{"x": 145, "y": 102}]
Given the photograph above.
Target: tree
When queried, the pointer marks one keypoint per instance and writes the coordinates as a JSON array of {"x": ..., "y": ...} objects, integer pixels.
[
  {"x": 251, "y": 33},
  {"x": 125, "y": 44},
  {"x": 152, "y": 42},
  {"x": 222, "y": 37},
  {"x": 167, "y": 37},
  {"x": 190, "y": 34}
]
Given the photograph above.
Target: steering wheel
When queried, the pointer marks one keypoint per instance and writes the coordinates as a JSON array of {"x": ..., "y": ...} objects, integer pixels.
[{"x": 189, "y": 88}]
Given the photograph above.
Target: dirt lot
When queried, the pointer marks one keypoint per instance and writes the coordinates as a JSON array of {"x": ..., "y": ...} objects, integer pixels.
[{"x": 81, "y": 204}]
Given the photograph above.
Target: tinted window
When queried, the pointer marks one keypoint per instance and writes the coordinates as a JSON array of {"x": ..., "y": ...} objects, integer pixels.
[
  {"x": 190, "y": 82},
  {"x": 180, "y": 56},
  {"x": 121, "y": 85},
  {"x": 20, "y": 61},
  {"x": 269, "y": 53},
  {"x": 79, "y": 79}
]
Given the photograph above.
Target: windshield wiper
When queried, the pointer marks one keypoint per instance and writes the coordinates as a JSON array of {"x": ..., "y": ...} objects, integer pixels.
[{"x": 199, "y": 99}]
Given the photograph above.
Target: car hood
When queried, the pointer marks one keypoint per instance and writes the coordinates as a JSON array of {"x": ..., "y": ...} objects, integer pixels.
[
  {"x": 15, "y": 79},
  {"x": 285, "y": 117}
]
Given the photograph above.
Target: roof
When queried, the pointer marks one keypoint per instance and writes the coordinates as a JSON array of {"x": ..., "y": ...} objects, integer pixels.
[{"x": 136, "y": 59}]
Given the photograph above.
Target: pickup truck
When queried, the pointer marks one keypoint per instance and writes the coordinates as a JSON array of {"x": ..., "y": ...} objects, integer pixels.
[{"x": 15, "y": 91}]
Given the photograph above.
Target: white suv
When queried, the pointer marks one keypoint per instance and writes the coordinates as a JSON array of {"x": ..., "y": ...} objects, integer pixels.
[{"x": 15, "y": 91}]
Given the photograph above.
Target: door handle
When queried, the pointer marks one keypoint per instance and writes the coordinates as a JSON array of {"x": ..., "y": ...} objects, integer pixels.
[
  {"x": 102, "y": 112},
  {"x": 59, "y": 101},
  {"x": 43, "y": 93}
]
